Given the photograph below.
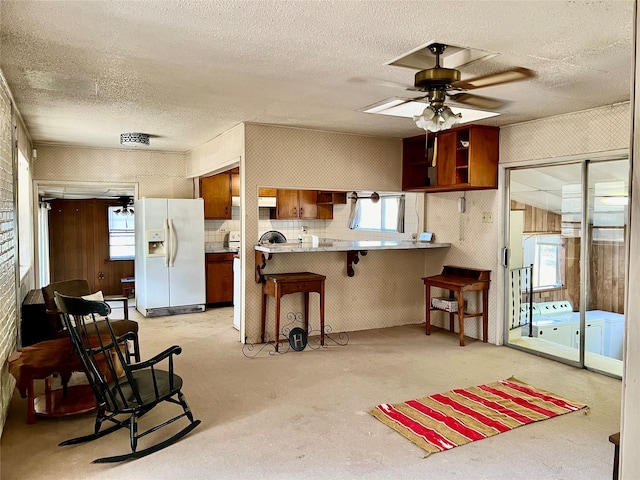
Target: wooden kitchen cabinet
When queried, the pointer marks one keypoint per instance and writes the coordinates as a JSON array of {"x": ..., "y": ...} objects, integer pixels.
[
  {"x": 235, "y": 182},
  {"x": 296, "y": 204},
  {"x": 464, "y": 158},
  {"x": 216, "y": 193},
  {"x": 331, "y": 197},
  {"x": 219, "y": 278},
  {"x": 267, "y": 192}
]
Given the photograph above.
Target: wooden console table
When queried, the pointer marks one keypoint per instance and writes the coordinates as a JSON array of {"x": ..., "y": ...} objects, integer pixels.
[
  {"x": 460, "y": 280},
  {"x": 278, "y": 284}
]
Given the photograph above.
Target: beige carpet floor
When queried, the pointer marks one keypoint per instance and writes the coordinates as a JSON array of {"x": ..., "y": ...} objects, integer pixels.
[{"x": 304, "y": 414}]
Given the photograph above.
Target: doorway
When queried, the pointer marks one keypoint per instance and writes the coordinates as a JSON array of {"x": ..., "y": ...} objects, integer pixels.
[
  {"x": 566, "y": 270},
  {"x": 86, "y": 203}
]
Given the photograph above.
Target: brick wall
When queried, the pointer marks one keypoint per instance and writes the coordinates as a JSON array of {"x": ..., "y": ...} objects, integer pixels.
[{"x": 8, "y": 310}]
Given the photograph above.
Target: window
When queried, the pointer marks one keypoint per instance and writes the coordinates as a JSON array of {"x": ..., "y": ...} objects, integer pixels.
[
  {"x": 547, "y": 254},
  {"x": 384, "y": 215},
  {"x": 121, "y": 235},
  {"x": 25, "y": 216}
]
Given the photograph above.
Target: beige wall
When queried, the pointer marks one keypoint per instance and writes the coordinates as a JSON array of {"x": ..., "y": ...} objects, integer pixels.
[
  {"x": 387, "y": 289},
  {"x": 218, "y": 154},
  {"x": 591, "y": 131},
  {"x": 157, "y": 174}
]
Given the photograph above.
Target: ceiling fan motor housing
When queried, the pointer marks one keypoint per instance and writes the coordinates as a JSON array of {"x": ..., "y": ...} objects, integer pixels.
[{"x": 434, "y": 78}]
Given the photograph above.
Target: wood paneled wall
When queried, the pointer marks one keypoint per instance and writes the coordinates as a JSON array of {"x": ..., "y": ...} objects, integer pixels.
[
  {"x": 607, "y": 269},
  {"x": 607, "y": 265},
  {"x": 79, "y": 245}
]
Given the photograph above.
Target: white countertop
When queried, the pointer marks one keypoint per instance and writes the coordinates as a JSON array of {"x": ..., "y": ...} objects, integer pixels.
[{"x": 345, "y": 246}]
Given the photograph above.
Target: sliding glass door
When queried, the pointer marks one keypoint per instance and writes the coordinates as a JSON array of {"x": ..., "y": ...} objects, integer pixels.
[{"x": 565, "y": 289}]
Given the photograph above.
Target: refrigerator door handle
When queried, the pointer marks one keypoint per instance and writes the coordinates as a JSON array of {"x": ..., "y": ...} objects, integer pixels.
[
  {"x": 174, "y": 243},
  {"x": 167, "y": 244}
]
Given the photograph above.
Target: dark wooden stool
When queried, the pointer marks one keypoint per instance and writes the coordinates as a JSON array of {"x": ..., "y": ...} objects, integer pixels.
[
  {"x": 279, "y": 284},
  {"x": 615, "y": 439},
  {"x": 460, "y": 280}
]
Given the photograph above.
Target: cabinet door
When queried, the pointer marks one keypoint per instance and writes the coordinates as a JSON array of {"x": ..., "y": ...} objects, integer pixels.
[
  {"x": 235, "y": 184},
  {"x": 445, "y": 151},
  {"x": 287, "y": 204},
  {"x": 483, "y": 157},
  {"x": 216, "y": 192},
  {"x": 308, "y": 203},
  {"x": 219, "y": 278}
]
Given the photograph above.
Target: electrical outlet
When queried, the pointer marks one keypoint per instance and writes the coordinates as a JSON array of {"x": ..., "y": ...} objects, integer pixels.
[
  {"x": 414, "y": 235},
  {"x": 487, "y": 217}
]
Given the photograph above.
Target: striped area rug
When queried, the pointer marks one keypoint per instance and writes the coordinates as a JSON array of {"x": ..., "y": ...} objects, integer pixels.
[{"x": 447, "y": 420}]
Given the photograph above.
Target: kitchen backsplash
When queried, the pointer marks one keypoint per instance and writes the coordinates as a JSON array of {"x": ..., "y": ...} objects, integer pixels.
[{"x": 217, "y": 230}]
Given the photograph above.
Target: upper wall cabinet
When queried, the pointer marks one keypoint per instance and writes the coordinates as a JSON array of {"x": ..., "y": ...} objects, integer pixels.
[
  {"x": 294, "y": 204},
  {"x": 216, "y": 193},
  {"x": 464, "y": 158}
]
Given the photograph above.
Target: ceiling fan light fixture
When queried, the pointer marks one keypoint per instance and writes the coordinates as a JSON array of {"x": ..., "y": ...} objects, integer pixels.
[
  {"x": 435, "y": 119},
  {"x": 126, "y": 207},
  {"x": 134, "y": 139}
]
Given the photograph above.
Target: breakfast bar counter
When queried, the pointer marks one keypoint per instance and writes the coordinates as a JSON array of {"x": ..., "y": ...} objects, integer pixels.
[{"x": 352, "y": 248}]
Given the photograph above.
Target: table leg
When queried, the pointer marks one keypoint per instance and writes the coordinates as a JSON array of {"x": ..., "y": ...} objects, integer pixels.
[
  {"x": 31, "y": 408},
  {"x": 427, "y": 295},
  {"x": 452, "y": 319},
  {"x": 126, "y": 308},
  {"x": 278, "y": 297},
  {"x": 485, "y": 316},
  {"x": 306, "y": 312},
  {"x": 322, "y": 313},
  {"x": 461, "y": 317},
  {"x": 263, "y": 314}
]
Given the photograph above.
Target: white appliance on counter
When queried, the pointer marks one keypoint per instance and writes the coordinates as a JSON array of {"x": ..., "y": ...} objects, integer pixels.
[{"x": 170, "y": 258}]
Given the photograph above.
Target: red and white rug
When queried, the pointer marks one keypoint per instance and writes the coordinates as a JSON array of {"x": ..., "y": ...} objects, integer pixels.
[{"x": 447, "y": 420}]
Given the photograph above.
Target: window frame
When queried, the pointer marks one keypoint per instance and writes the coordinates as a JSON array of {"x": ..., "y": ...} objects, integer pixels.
[
  {"x": 533, "y": 258},
  {"x": 365, "y": 203},
  {"x": 126, "y": 232}
]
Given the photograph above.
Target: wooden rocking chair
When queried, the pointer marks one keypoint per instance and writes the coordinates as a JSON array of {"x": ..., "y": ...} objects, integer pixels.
[{"x": 123, "y": 391}]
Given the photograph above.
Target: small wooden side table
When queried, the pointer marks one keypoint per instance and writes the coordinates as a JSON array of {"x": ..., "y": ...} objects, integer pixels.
[
  {"x": 460, "y": 280},
  {"x": 279, "y": 284},
  {"x": 128, "y": 284},
  {"x": 39, "y": 362}
]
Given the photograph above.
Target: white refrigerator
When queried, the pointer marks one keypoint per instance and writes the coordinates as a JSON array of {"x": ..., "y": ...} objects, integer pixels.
[{"x": 170, "y": 258}]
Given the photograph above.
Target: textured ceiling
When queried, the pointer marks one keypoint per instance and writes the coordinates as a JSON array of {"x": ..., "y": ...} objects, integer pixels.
[{"x": 184, "y": 72}]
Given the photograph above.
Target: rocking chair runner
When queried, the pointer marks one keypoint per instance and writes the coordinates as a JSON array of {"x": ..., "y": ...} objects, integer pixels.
[{"x": 121, "y": 388}]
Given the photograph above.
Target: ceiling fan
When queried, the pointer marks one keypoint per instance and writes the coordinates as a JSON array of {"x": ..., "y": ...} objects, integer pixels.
[
  {"x": 126, "y": 206},
  {"x": 439, "y": 83}
]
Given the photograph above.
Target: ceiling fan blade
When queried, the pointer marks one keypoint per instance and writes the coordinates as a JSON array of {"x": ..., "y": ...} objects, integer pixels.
[
  {"x": 485, "y": 103},
  {"x": 381, "y": 82},
  {"x": 506, "y": 76}
]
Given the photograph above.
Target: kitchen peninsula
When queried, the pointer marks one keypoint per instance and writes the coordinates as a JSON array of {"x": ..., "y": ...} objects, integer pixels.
[{"x": 352, "y": 248}]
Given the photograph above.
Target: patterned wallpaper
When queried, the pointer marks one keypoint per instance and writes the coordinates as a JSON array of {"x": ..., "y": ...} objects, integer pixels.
[
  {"x": 474, "y": 244},
  {"x": 387, "y": 289},
  {"x": 157, "y": 174},
  {"x": 596, "y": 130}
]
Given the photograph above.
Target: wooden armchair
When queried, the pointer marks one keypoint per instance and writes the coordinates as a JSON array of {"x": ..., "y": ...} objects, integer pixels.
[{"x": 79, "y": 288}]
